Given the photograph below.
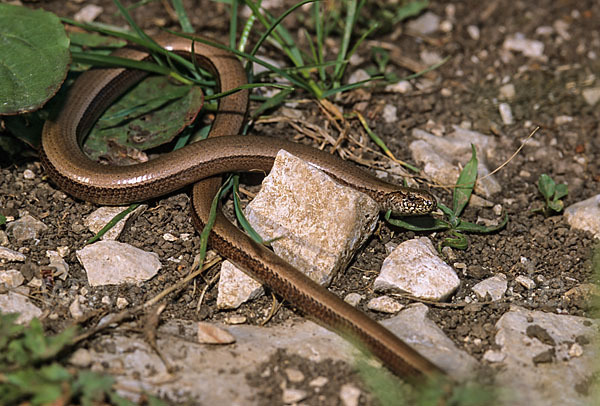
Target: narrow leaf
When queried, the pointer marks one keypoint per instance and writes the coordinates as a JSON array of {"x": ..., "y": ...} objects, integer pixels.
[
  {"x": 546, "y": 186},
  {"x": 465, "y": 184},
  {"x": 408, "y": 224},
  {"x": 560, "y": 191}
]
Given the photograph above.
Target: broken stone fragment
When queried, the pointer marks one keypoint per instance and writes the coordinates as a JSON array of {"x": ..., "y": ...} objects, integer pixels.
[
  {"x": 316, "y": 224},
  {"x": 415, "y": 267},
  {"x": 112, "y": 263}
]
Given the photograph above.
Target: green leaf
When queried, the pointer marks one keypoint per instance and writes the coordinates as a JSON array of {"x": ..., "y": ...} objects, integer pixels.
[
  {"x": 465, "y": 184},
  {"x": 560, "y": 191},
  {"x": 184, "y": 21},
  {"x": 31, "y": 39},
  {"x": 92, "y": 386},
  {"x": 478, "y": 228},
  {"x": 556, "y": 205},
  {"x": 459, "y": 241},
  {"x": 239, "y": 214},
  {"x": 93, "y": 40},
  {"x": 546, "y": 186},
  {"x": 2, "y": 220},
  {"x": 445, "y": 209},
  {"x": 140, "y": 120},
  {"x": 410, "y": 224},
  {"x": 410, "y": 9}
]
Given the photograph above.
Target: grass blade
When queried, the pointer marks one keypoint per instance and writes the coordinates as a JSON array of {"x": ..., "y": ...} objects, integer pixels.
[
  {"x": 465, "y": 184},
  {"x": 112, "y": 223},
  {"x": 184, "y": 21},
  {"x": 239, "y": 214}
]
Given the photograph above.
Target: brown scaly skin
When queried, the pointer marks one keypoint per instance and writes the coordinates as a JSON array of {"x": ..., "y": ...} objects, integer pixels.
[{"x": 196, "y": 164}]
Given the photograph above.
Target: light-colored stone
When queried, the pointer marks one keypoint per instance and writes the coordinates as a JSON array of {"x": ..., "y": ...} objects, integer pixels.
[
  {"x": 321, "y": 223},
  {"x": 529, "y": 48},
  {"x": 88, "y": 13},
  {"x": 495, "y": 287},
  {"x": 401, "y": 87},
  {"x": 26, "y": 228},
  {"x": 507, "y": 91},
  {"x": 318, "y": 382},
  {"x": 210, "y": 334},
  {"x": 591, "y": 95},
  {"x": 506, "y": 113},
  {"x": 293, "y": 396},
  {"x": 441, "y": 156},
  {"x": 560, "y": 120},
  {"x": 59, "y": 264},
  {"x": 585, "y": 215},
  {"x": 81, "y": 358},
  {"x": 3, "y": 238},
  {"x": 426, "y": 24},
  {"x": 28, "y": 174},
  {"x": 430, "y": 57},
  {"x": 350, "y": 395},
  {"x": 473, "y": 32},
  {"x": 215, "y": 375},
  {"x": 384, "y": 304},
  {"x": 414, "y": 327},
  {"x": 526, "y": 282},
  {"x": 582, "y": 295},
  {"x": 112, "y": 263},
  {"x": 294, "y": 375},
  {"x": 415, "y": 267},
  {"x": 11, "y": 278},
  {"x": 169, "y": 237},
  {"x": 121, "y": 303},
  {"x": 561, "y": 26},
  {"x": 353, "y": 299},
  {"x": 235, "y": 287},
  {"x": 13, "y": 302},
  {"x": 76, "y": 309},
  {"x": 96, "y": 220},
  {"x": 531, "y": 382},
  {"x": 236, "y": 319},
  {"x": 493, "y": 356},
  {"x": 358, "y": 75},
  {"x": 390, "y": 114}
]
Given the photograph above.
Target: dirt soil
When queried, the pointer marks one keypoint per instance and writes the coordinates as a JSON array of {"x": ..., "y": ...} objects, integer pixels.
[{"x": 465, "y": 89}]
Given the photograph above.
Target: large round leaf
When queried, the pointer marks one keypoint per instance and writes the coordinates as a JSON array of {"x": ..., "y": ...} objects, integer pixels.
[
  {"x": 149, "y": 115},
  {"x": 34, "y": 58}
]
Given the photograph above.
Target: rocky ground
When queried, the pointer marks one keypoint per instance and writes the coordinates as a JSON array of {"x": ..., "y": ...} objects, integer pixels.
[{"x": 520, "y": 314}]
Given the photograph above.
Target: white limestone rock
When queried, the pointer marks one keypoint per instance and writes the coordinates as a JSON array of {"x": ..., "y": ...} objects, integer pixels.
[
  {"x": 96, "y": 220},
  {"x": 585, "y": 215},
  {"x": 441, "y": 156},
  {"x": 112, "y": 263},
  {"x": 320, "y": 224},
  {"x": 495, "y": 287},
  {"x": 414, "y": 267},
  {"x": 235, "y": 287},
  {"x": 540, "y": 365}
]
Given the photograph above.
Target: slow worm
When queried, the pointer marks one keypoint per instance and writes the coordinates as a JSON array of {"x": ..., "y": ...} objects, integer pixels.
[{"x": 201, "y": 164}]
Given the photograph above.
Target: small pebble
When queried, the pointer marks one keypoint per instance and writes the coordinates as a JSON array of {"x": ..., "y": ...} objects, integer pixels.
[
  {"x": 525, "y": 282},
  {"x": 294, "y": 375},
  {"x": 353, "y": 299},
  {"x": 236, "y": 319},
  {"x": 28, "y": 174},
  {"x": 506, "y": 113},
  {"x": 293, "y": 396},
  {"x": 318, "y": 382},
  {"x": 169, "y": 237},
  {"x": 473, "y": 32},
  {"x": 384, "y": 304},
  {"x": 122, "y": 303}
]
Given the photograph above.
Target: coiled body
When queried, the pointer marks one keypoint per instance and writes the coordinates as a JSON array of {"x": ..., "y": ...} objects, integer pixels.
[{"x": 200, "y": 164}]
